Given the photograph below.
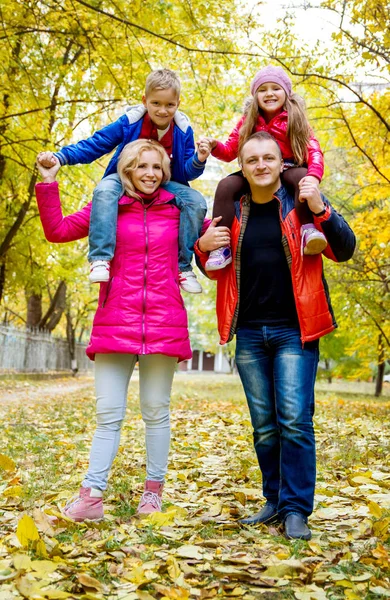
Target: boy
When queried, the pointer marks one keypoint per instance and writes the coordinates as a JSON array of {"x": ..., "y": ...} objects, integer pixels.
[{"x": 156, "y": 118}]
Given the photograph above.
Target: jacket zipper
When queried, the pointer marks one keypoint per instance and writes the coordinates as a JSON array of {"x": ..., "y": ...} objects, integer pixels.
[
  {"x": 144, "y": 291},
  {"x": 291, "y": 268},
  {"x": 107, "y": 292}
]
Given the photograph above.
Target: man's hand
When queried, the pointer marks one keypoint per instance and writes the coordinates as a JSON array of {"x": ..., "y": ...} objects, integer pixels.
[
  {"x": 49, "y": 174},
  {"x": 309, "y": 191},
  {"x": 215, "y": 237},
  {"x": 204, "y": 149},
  {"x": 46, "y": 159}
]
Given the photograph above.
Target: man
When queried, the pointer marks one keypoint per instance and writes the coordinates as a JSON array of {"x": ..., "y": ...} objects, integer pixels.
[{"x": 276, "y": 301}]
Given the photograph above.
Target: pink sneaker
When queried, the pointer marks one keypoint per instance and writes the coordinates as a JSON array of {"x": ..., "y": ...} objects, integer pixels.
[
  {"x": 88, "y": 505},
  {"x": 151, "y": 498},
  {"x": 312, "y": 240},
  {"x": 219, "y": 259}
]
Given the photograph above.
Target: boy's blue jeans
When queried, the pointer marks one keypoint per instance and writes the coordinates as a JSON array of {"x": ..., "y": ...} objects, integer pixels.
[
  {"x": 278, "y": 377},
  {"x": 104, "y": 215}
]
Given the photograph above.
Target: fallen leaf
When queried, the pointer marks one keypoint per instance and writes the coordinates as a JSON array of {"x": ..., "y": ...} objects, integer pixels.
[{"x": 27, "y": 531}]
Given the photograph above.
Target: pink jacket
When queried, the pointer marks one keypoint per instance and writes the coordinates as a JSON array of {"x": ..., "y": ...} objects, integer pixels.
[
  {"x": 140, "y": 309},
  {"x": 277, "y": 127}
]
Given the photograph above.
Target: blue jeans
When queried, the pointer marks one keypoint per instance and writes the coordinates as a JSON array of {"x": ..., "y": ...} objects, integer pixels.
[
  {"x": 278, "y": 376},
  {"x": 104, "y": 216}
]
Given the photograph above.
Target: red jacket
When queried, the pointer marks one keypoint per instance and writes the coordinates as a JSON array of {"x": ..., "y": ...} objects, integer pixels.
[
  {"x": 277, "y": 127},
  {"x": 140, "y": 309},
  {"x": 310, "y": 289}
]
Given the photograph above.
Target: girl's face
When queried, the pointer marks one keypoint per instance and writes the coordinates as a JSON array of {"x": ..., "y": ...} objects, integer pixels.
[
  {"x": 148, "y": 174},
  {"x": 271, "y": 98}
]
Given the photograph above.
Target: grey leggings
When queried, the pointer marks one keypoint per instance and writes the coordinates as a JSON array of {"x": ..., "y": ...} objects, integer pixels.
[{"x": 112, "y": 376}]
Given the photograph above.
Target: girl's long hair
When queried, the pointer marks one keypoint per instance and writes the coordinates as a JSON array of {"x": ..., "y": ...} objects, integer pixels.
[
  {"x": 298, "y": 128},
  {"x": 129, "y": 160}
]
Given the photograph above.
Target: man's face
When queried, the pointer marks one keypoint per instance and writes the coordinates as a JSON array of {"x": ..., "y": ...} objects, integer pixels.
[
  {"x": 161, "y": 106},
  {"x": 261, "y": 164}
]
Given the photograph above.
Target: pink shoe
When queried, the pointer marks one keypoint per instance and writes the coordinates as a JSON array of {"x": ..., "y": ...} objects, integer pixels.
[
  {"x": 88, "y": 505},
  {"x": 312, "y": 240},
  {"x": 151, "y": 498},
  {"x": 219, "y": 259}
]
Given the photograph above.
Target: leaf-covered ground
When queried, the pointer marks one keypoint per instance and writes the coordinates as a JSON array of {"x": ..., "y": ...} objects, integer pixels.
[{"x": 195, "y": 549}]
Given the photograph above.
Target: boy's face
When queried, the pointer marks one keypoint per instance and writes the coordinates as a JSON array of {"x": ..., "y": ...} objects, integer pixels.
[{"x": 161, "y": 106}]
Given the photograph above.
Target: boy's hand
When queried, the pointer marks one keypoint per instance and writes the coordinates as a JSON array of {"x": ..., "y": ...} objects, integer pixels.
[
  {"x": 46, "y": 159},
  {"x": 49, "y": 174},
  {"x": 204, "y": 149}
]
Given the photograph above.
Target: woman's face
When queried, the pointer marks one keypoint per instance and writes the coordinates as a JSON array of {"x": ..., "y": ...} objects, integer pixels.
[
  {"x": 148, "y": 175},
  {"x": 271, "y": 98}
]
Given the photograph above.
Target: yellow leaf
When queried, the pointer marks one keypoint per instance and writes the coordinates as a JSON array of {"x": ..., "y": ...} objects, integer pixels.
[
  {"x": 345, "y": 583},
  {"x": 158, "y": 519},
  {"x": 174, "y": 571},
  {"x": 291, "y": 568},
  {"x": 40, "y": 549},
  {"x": 240, "y": 496},
  {"x": 29, "y": 588},
  {"x": 15, "y": 491},
  {"x": 54, "y": 594},
  {"x": 350, "y": 594},
  {"x": 44, "y": 567},
  {"x": 375, "y": 509},
  {"x": 26, "y": 531},
  {"x": 22, "y": 561},
  {"x": 6, "y": 463},
  {"x": 381, "y": 527}
]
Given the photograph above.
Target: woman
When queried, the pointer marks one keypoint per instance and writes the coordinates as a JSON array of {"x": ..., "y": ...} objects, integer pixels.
[{"x": 140, "y": 316}]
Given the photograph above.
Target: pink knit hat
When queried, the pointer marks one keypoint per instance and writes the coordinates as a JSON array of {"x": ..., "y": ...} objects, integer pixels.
[{"x": 272, "y": 74}]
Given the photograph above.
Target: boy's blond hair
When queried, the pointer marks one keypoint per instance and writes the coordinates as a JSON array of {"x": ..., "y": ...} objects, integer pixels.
[
  {"x": 129, "y": 160},
  {"x": 162, "y": 79}
]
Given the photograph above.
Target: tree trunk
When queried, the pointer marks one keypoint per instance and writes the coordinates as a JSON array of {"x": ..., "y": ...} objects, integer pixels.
[
  {"x": 381, "y": 367},
  {"x": 34, "y": 310},
  {"x": 55, "y": 310},
  {"x": 2, "y": 279},
  {"x": 327, "y": 367},
  {"x": 71, "y": 338}
]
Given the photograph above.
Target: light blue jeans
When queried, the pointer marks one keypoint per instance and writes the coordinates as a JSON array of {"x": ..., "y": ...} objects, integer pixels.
[
  {"x": 112, "y": 376},
  {"x": 104, "y": 215},
  {"x": 278, "y": 376}
]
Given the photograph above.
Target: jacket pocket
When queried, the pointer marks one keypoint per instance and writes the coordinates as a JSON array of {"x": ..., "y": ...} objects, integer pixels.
[{"x": 106, "y": 294}]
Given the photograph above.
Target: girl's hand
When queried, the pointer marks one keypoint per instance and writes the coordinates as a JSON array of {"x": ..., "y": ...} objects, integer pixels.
[
  {"x": 49, "y": 174},
  {"x": 309, "y": 191},
  {"x": 204, "y": 149},
  {"x": 215, "y": 237}
]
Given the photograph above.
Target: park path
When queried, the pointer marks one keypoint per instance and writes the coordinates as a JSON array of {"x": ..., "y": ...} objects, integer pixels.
[{"x": 19, "y": 391}]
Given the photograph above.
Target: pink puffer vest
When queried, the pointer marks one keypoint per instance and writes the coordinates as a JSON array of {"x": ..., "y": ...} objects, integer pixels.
[{"x": 140, "y": 309}]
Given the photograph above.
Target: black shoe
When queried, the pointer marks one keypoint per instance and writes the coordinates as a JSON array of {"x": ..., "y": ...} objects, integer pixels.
[
  {"x": 295, "y": 528},
  {"x": 267, "y": 515}
]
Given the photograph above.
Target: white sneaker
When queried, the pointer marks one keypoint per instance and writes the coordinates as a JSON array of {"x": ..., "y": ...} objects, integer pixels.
[
  {"x": 100, "y": 271},
  {"x": 189, "y": 283}
]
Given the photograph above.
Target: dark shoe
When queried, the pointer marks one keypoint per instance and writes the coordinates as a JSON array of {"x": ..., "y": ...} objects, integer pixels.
[
  {"x": 295, "y": 528},
  {"x": 267, "y": 515}
]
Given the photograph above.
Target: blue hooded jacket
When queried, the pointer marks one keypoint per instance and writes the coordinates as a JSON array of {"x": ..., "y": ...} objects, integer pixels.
[{"x": 185, "y": 163}]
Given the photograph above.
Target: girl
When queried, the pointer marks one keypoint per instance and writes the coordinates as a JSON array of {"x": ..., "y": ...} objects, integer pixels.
[
  {"x": 277, "y": 110},
  {"x": 140, "y": 316}
]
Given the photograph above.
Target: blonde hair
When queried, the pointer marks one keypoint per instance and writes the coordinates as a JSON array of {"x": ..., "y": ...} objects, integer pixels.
[
  {"x": 129, "y": 160},
  {"x": 298, "y": 128},
  {"x": 162, "y": 79}
]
